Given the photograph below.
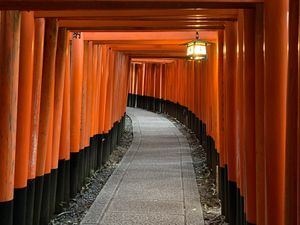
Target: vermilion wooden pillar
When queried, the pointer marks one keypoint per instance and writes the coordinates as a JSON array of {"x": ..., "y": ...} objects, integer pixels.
[
  {"x": 45, "y": 208},
  {"x": 221, "y": 96},
  {"x": 9, "y": 70},
  {"x": 24, "y": 116},
  {"x": 89, "y": 93},
  {"x": 97, "y": 100},
  {"x": 298, "y": 131},
  {"x": 84, "y": 135},
  {"x": 292, "y": 116},
  {"x": 46, "y": 109},
  {"x": 97, "y": 91},
  {"x": 240, "y": 122},
  {"x": 75, "y": 111},
  {"x": 58, "y": 109},
  {"x": 83, "y": 123},
  {"x": 35, "y": 114},
  {"x": 116, "y": 68},
  {"x": 230, "y": 67},
  {"x": 93, "y": 86},
  {"x": 249, "y": 115},
  {"x": 103, "y": 90},
  {"x": 64, "y": 152},
  {"x": 259, "y": 119},
  {"x": 109, "y": 99},
  {"x": 275, "y": 87}
]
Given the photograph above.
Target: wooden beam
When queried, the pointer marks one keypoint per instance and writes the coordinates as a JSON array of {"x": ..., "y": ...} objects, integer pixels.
[
  {"x": 152, "y": 60},
  {"x": 135, "y": 24},
  {"x": 124, "y": 4},
  {"x": 166, "y": 13},
  {"x": 163, "y": 37}
]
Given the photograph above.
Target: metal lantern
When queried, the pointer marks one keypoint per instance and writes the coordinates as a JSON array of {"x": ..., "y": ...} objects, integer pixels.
[{"x": 196, "y": 50}]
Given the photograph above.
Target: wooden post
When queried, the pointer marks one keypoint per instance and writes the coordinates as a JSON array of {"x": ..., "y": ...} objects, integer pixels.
[
  {"x": 259, "y": 119},
  {"x": 249, "y": 116},
  {"x": 9, "y": 69},
  {"x": 46, "y": 109},
  {"x": 24, "y": 116},
  {"x": 275, "y": 88},
  {"x": 76, "y": 101},
  {"x": 292, "y": 116},
  {"x": 64, "y": 152},
  {"x": 35, "y": 114},
  {"x": 58, "y": 109},
  {"x": 230, "y": 65}
]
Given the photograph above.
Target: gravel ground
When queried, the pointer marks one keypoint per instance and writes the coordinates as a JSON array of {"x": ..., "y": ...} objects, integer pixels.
[
  {"x": 210, "y": 201},
  {"x": 74, "y": 212}
]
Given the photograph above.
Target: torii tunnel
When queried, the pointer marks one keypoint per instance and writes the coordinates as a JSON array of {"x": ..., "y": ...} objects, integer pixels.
[{"x": 69, "y": 69}]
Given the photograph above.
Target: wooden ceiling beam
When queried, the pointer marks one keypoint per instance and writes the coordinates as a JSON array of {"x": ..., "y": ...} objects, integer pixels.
[
  {"x": 152, "y": 60},
  {"x": 135, "y": 23},
  {"x": 230, "y": 13},
  {"x": 148, "y": 47},
  {"x": 163, "y": 37},
  {"x": 124, "y": 4}
]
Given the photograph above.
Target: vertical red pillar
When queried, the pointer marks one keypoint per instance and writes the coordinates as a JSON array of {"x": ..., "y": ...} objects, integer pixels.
[
  {"x": 63, "y": 184},
  {"x": 45, "y": 208},
  {"x": 46, "y": 109},
  {"x": 298, "y": 132},
  {"x": 97, "y": 91},
  {"x": 103, "y": 88},
  {"x": 35, "y": 114},
  {"x": 93, "y": 87},
  {"x": 58, "y": 109},
  {"x": 9, "y": 70},
  {"x": 276, "y": 59},
  {"x": 249, "y": 115},
  {"x": 109, "y": 100},
  {"x": 259, "y": 119},
  {"x": 292, "y": 116},
  {"x": 76, "y": 101},
  {"x": 221, "y": 97},
  {"x": 89, "y": 93},
  {"x": 240, "y": 121},
  {"x": 230, "y": 67},
  {"x": 83, "y": 123},
  {"x": 24, "y": 116}
]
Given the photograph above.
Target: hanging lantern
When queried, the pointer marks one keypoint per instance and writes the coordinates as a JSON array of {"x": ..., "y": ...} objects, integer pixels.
[{"x": 196, "y": 50}]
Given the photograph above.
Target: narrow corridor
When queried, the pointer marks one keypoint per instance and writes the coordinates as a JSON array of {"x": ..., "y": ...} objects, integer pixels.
[
  {"x": 154, "y": 183},
  {"x": 228, "y": 70}
]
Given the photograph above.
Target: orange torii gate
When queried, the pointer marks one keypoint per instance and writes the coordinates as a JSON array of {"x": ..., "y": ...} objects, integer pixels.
[{"x": 63, "y": 100}]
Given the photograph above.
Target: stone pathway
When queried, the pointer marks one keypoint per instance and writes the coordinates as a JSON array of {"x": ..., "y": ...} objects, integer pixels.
[{"x": 154, "y": 183}]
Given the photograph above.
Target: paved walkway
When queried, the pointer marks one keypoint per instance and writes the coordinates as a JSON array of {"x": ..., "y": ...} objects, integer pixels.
[{"x": 154, "y": 183}]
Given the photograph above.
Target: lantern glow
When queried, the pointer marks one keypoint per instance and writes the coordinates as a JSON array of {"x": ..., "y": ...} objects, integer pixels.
[{"x": 196, "y": 50}]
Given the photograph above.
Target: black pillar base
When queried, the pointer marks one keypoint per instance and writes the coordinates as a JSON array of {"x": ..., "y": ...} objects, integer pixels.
[
  {"x": 106, "y": 150},
  {"x": 99, "y": 150},
  {"x": 45, "y": 206},
  {"x": 67, "y": 181},
  {"x": 53, "y": 189},
  {"x": 60, "y": 191},
  {"x": 6, "y": 212},
  {"x": 19, "y": 214},
  {"x": 39, "y": 183},
  {"x": 74, "y": 171},
  {"x": 30, "y": 201}
]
